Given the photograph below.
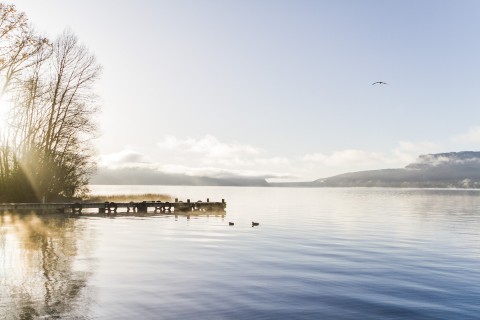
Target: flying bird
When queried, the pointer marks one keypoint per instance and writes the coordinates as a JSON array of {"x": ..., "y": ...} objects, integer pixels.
[{"x": 379, "y": 82}]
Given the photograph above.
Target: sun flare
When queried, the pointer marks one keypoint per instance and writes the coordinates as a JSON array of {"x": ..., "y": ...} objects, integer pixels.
[{"x": 5, "y": 104}]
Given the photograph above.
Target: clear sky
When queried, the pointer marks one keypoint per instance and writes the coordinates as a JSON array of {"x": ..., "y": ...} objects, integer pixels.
[{"x": 277, "y": 88}]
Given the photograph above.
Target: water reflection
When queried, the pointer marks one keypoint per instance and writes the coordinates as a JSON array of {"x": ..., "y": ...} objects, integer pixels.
[
  {"x": 152, "y": 214},
  {"x": 317, "y": 254},
  {"x": 41, "y": 273}
]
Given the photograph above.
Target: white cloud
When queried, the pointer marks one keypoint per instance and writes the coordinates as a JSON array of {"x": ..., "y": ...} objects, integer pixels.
[
  {"x": 408, "y": 151},
  {"x": 208, "y": 156},
  {"x": 471, "y": 136},
  {"x": 200, "y": 157},
  {"x": 351, "y": 157},
  {"x": 209, "y": 151},
  {"x": 191, "y": 171},
  {"x": 273, "y": 161},
  {"x": 126, "y": 157},
  {"x": 216, "y": 172},
  {"x": 341, "y": 161},
  {"x": 208, "y": 146},
  {"x": 315, "y": 157},
  {"x": 169, "y": 143}
]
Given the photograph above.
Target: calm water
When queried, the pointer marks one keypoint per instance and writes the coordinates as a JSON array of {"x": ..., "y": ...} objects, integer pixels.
[{"x": 317, "y": 254}]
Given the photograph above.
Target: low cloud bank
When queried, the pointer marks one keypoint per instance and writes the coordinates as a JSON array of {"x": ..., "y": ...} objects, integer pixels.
[
  {"x": 149, "y": 176},
  {"x": 209, "y": 161}
]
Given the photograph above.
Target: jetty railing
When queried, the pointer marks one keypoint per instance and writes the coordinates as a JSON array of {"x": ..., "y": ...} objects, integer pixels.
[{"x": 114, "y": 207}]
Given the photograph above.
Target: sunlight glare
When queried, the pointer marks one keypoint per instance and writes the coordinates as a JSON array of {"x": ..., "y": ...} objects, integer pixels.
[{"x": 5, "y": 105}]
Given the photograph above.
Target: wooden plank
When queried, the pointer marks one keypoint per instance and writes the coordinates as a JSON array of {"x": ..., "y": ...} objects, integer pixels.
[{"x": 113, "y": 206}]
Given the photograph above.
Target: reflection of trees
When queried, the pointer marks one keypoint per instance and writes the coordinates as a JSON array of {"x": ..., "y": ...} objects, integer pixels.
[{"x": 41, "y": 273}]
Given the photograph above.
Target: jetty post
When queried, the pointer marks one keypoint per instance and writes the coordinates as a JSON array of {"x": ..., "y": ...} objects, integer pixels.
[{"x": 112, "y": 207}]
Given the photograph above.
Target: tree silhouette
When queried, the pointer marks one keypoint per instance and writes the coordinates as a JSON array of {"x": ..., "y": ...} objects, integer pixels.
[{"x": 45, "y": 154}]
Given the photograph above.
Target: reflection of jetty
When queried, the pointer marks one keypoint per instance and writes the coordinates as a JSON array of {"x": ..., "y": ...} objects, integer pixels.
[{"x": 114, "y": 207}]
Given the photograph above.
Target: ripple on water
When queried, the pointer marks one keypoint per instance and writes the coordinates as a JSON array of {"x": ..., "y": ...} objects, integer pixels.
[{"x": 317, "y": 254}]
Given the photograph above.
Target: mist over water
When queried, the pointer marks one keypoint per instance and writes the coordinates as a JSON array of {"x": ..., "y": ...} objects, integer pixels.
[{"x": 317, "y": 253}]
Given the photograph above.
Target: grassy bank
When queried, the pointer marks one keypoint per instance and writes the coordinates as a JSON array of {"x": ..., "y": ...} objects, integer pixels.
[{"x": 128, "y": 197}]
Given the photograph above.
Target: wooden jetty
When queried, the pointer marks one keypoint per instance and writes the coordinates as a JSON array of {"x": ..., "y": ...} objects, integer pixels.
[{"x": 114, "y": 207}]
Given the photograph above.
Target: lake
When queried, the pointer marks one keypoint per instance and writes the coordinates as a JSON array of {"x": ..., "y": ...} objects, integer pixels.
[{"x": 340, "y": 253}]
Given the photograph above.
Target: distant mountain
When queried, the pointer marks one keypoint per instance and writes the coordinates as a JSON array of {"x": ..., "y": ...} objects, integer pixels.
[
  {"x": 441, "y": 170},
  {"x": 139, "y": 176}
]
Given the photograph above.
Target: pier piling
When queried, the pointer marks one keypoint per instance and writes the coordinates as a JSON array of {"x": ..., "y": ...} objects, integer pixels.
[{"x": 113, "y": 207}]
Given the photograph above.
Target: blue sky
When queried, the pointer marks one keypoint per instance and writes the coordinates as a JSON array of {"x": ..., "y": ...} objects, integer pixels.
[{"x": 277, "y": 88}]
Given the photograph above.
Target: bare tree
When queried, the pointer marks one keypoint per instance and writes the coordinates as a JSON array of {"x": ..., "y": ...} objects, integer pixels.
[
  {"x": 18, "y": 44},
  {"x": 46, "y": 153},
  {"x": 53, "y": 119}
]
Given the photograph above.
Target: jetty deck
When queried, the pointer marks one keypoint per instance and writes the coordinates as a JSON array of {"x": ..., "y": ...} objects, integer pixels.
[{"x": 114, "y": 207}]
